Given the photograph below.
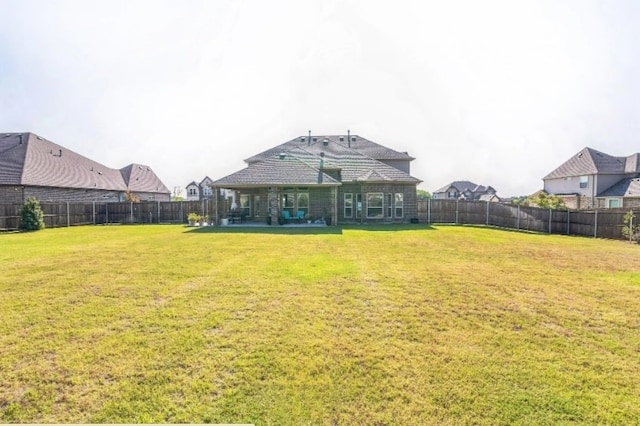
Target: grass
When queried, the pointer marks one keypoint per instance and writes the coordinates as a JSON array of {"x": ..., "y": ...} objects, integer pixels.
[{"x": 413, "y": 325}]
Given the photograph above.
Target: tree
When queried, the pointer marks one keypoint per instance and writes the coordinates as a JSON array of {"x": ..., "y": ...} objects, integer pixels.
[
  {"x": 546, "y": 201},
  {"x": 31, "y": 216},
  {"x": 631, "y": 228},
  {"x": 422, "y": 194},
  {"x": 131, "y": 197},
  {"x": 522, "y": 200}
]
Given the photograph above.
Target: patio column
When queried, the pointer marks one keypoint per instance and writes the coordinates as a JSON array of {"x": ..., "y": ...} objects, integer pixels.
[
  {"x": 334, "y": 205},
  {"x": 274, "y": 204}
]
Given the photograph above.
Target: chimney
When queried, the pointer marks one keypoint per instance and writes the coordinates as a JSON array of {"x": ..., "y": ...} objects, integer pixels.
[{"x": 349, "y": 137}]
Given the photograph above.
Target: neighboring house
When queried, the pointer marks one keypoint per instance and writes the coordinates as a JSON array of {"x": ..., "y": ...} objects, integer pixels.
[
  {"x": 200, "y": 191},
  {"x": 31, "y": 166},
  {"x": 593, "y": 179},
  {"x": 340, "y": 178},
  {"x": 465, "y": 190}
]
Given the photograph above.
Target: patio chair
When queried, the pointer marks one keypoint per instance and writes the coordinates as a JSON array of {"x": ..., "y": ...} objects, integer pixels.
[
  {"x": 285, "y": 215},
  {"x": 300, "y": 215}
]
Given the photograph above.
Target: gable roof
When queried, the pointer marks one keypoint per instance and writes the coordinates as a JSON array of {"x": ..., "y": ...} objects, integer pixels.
[
  {"x": 462, "y": 186},
  {"x": 288, "y": 169},
  {"x": 629, "y": 187},
  {"x": 356, "y": 143},
  {"x": 30, "y": 160},
  {"x": 310, "y": 164},
  {"x": 590, "y": 162},
  {"x": 140, "y": 178}
]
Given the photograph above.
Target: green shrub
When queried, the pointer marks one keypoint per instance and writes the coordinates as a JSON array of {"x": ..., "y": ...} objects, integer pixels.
[
  {"x": 31, "y": 216},
  {"x": 631, "y": 228}
]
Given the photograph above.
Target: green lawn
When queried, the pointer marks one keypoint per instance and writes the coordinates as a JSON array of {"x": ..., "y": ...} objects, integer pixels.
[{"x": 398, "y": 325}]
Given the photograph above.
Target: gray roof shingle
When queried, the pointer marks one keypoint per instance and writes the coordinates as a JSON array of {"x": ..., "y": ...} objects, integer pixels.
[
  {"x": 357, "y": 143},
  {"x": 306, "y": 164},
  {"x": 629, "y": 187},
  {"x": 590, "y": 162},
  {"x": 28, "y": 159}
]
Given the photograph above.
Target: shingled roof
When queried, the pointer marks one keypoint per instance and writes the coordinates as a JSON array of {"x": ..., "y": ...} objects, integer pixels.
[
  {"x": 463, "y": 186},
  {"x": 629, "y": 187},
  {"x": 352, "y": 142},
  {"x": 590, "y": 162},
  {"x": 30, "y": 160},
  {"x": 310, "y": 164}
]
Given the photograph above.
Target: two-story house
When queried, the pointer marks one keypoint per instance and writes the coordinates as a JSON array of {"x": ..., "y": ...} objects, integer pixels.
[
  {"x": 200, "y": 191},
  {"x": 465, "y": 190},
  {"x": 593, "y": 179},
  {"x": 334, "y": 178}
]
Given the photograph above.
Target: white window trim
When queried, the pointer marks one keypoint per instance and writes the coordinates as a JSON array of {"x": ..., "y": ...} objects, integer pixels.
[{"x": 381, "y": 216}]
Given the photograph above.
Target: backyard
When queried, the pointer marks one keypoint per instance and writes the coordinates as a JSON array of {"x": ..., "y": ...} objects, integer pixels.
[{"x": 337, "y": 326}]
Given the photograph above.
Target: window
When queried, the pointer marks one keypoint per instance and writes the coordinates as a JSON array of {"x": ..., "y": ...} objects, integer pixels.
[
  {"x": 374, "y": 205},
  {"x": 613, "y": 203},
  {"x": 452, "y": 194},
  {"x": 584, "y": 181},
  {"x": 348, "y": 205},
  {"x": 303, "y": 203},
  {"x": 288, "y": 201},
  {"x": 399, "y": 204},
  {"x": 256, "y": 205},
  {"x": 358, "y": 206},
  {"x": 192, "y": 191},
  {"x": 245, "y": 205},
  {"x": 206, "y": 190},
  {"x": 388, "y": 205}
]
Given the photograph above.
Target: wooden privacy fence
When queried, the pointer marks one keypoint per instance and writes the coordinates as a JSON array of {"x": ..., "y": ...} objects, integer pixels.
[
  {"x": 94, "y": 213},
  {"x": 600, "y": 223}
]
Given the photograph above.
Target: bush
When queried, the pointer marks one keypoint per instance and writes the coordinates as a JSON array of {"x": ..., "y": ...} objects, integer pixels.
[
  {"x": 31, "y": 216},
  {"x": 631, "y": 228}
]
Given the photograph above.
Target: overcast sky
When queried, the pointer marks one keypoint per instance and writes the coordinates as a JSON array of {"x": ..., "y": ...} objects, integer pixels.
[{"x": 496, "y": 92}]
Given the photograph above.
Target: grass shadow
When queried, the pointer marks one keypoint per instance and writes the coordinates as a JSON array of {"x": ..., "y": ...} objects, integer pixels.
[
  {"x": 277, "y": 230},
  {"x": 392, "y": 227}
]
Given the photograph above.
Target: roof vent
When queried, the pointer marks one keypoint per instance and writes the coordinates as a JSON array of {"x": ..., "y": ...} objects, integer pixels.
[
  {"x": 325, "y": 141},
  {"x": 341, "y": 138},
  {"x": 353, "y": 139},
  {"x": 283, "y": 155},
  {"x": 315, "y": 139},
  {"x": 302, "y": 139}
]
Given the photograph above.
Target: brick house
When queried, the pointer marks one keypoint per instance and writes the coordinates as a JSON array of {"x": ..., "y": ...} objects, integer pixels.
[
  {"x": 340, "y": 179},
  {"x": 31, "y": 166}
]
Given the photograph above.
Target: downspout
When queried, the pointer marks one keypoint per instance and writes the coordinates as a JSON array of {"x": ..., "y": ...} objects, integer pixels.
[{"x": 593, "y": 190}]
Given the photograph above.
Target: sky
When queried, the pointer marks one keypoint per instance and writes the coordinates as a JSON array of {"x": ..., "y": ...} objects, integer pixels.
[{"x": 496, "y": 92}]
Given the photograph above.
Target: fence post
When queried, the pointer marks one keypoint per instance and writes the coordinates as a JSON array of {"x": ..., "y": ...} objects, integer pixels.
[
  {"x": 429, "y": 210},
  {"x": 457, "y": 204},
  {"x": 106, "y": 212},
  {"x": 518, "y": 219},
  {"x": 595, "y": 225},
  {"x": 94, "y": 212},
  {"x": 568, "y": 222},
  {"x": 487, "y": 212},
  {"x": 68, "y": 219},
  {"x": 158, "y": 212},
  {"x": 550, "y": 215},
  {"x": 131, "y": 210}
]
